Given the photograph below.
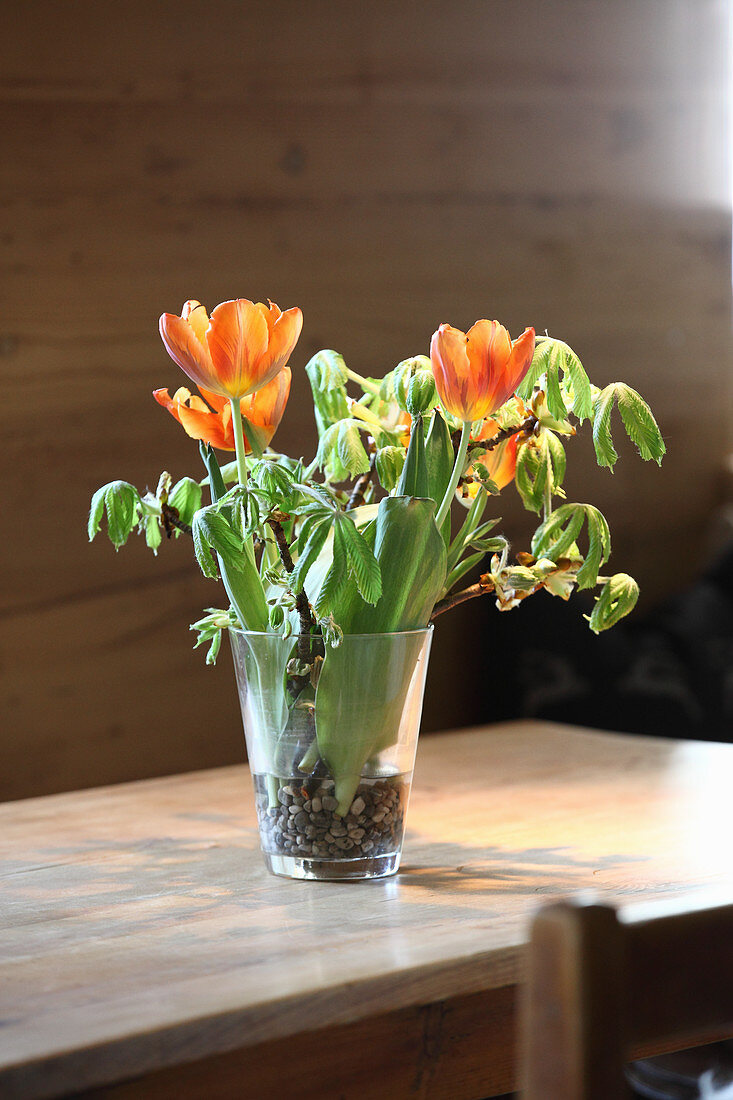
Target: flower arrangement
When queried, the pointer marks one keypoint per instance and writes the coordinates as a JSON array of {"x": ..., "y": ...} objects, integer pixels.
[{"x": 361, "y": 540}]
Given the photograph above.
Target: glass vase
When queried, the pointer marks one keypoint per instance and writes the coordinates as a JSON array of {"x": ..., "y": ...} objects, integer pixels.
[{"x": 331, "y": 737}]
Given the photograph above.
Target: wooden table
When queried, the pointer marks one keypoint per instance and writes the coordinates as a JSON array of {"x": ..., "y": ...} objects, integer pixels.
[{"x": 145, "y": 952}]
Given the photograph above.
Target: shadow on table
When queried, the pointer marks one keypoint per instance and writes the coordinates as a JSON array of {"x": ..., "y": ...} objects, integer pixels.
[{"x": 492, "y": 870}]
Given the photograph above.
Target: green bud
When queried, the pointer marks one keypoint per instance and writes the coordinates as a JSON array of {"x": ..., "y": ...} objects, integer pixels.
[
  {"x": 421, "y": 393},
  {"x": 404, "y": 373}
]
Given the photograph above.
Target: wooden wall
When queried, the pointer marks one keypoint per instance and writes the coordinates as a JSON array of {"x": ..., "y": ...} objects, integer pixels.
[{"x": 386, "y": 167}]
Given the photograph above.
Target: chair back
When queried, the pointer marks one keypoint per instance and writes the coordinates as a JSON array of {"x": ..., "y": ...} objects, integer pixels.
[{"x": 603, "y": 987}]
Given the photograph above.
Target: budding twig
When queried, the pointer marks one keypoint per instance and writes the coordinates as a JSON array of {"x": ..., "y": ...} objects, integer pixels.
[
  {"x": 481, "y": 587},
  {"x": 527, "y": 428},
  {"x": 302, "y": 605},
  {"x": 169, "y": 515},
  {"x": 360, "y": 486}
]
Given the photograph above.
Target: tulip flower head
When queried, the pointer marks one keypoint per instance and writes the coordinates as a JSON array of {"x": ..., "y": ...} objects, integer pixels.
[
  {"x": 237, "y": 351},
  {"x": 263, "y": 411},
  {"x": 477, "y": 371}
]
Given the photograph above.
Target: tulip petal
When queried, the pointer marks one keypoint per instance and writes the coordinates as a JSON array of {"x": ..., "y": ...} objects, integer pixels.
[
  {"x": 186, "y": 350},
  {"x": 521, "y": 358},
  {"x": 210, "y": 427},
  {"x": 237, "y": 339},
  {"x": 264, "y": 409},
  {"x": 217, "y": 402},
  {"x": 197, "y": 317},
  {"x": 184, "y": 396},
  {"x": 286, "y": 329},
  {"x": 452, "y": 371},
  {"x": 197, "y": 420}
]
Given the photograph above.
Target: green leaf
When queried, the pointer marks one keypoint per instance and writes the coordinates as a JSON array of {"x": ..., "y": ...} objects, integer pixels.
[
  {"x": 422, "y": 394},
  {"x": 439, "y": 459},
  {"x": 471, "y": 522},
  {"x": 364, "y": 565},
  {"x": 336, "y": 578},
  {"x": 403, "y": 375},
  {"x": 312, "y": 548},
  {"x": 618, "y": 597},
  {"x": 599, "y": 547},
  {"x": 121, "y": 502},
  {"x": 549, "y": 359},
  {"x": 414, "y": 477},
  {"x": 557, "y": 457},
  {"x": 412, "y": 559},
  {"x": 581, "y": 387},
  {"x": 216, "y": 481},
  {"x": 531, "y": 472},
  {"x": 350, "y": 448},
  {"x": 638, "y": 420},
  {"x": 555, "y": 537},
  {"x": 389, "y": 462},
  {"x": 153, "y": 533},
  {"x": 462, "y": 568},
  {"x": 96, "y": 511},
  {"x": 185, "y": 497},
  {"x": 240, "y": 577},
  {"x": 555, "y": 400},
  {"x": 212, "y": 532},
  {"x": 327, "y": 370}
]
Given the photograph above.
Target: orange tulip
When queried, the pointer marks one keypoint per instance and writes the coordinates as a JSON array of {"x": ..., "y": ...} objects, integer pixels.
[
  {"x": 238, "y": 351},
  {"x": 500, "y": 462},
  {"x": 478, "y": 370},
  {"x": 263, "y": 411}
]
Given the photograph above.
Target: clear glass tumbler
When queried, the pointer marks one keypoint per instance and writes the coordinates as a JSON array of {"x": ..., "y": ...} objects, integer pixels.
[{"x": 331, "y": 737}]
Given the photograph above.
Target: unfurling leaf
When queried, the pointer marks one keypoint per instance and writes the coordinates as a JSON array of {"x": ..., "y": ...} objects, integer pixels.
[
  {"x": 351, "y": 452},
  {"x": 638, "y": 420},
  {"x": 556, "y": 536},
  {"x": 318, "y": 533},
  {"x": 388, "y": 464},
  {"x": 327, "y": 370},
  {"x": 422, "y": 396},
  {"x": 336, "y": 578},
  {"x": 185, "y": 497},
  {"x": 121, "y": 502},
  {"x": 404, "y": 374},
  {"x": 531, "y": 472},
  {"x": 213, "y": 534},
  {"x": 572, "y": 391},
  {"x": 153, "y": 533},
  {"x": 363, "y": 564},
  {"x": 618, "y": 597}
]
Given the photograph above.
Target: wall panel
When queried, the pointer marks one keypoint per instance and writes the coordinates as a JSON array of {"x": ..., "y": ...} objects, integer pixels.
[{"x": 386, "y": 168}]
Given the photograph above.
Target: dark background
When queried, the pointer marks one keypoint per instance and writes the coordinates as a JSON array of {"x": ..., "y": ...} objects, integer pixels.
[{"x": 386, "y": 167}]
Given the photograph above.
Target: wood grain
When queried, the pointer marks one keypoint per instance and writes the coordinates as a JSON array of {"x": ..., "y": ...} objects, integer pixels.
[
  {"x": 560, "y": 165},
  {"x": 141, "y": 932}
]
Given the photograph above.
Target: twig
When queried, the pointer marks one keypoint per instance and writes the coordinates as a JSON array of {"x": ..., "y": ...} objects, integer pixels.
[
  {"x": 302, "y": 606},
  {"x": 360, "y": 486},
  {"x": 527, "y": 428},
  {"x": 169, "y": 515},
  {"x": 479, "y": 589}
]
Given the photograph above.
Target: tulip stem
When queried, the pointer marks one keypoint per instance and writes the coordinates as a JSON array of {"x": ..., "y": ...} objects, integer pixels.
[
  {"x": 366, "y": 385},
  {"x": 236, "y": 404},
  {"x": 456, "y": 475}
]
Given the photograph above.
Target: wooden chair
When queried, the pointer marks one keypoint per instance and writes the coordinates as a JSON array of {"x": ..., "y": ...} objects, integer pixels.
[{"x": 602, "y": 988}]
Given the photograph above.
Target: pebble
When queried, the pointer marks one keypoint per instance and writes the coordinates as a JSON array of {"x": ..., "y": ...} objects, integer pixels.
[{"x": 309, "y": 826}]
